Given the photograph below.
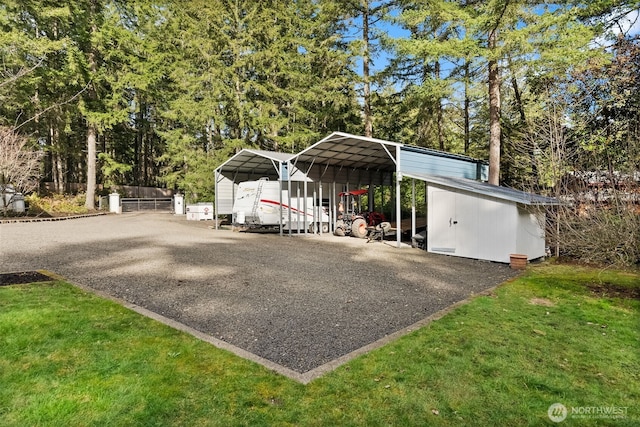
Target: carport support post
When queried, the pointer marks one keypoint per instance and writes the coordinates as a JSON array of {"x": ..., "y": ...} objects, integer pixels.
[
  {"x": 332, "y": 208},
  {"x": 319, "y": 210},
  {"x": 215, "y": 197},
  {"x": 426, "y": 205},
  {"x": 280, "y": 196},
  {"x": 289, "y": 204},
  {"x": 413, "y": 207},
  {"x": 298, "y": 207},
  {"x": 398, "y": 207},
  {"x": 305, "y": 192}
]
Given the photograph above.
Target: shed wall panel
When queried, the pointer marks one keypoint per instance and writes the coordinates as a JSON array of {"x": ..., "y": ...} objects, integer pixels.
[
  {"x": 465, "y": 221},
  {"x": 496, "y": 229},
  {"x": 530, "y": 233},
  {"x": 480, "y": 227}
]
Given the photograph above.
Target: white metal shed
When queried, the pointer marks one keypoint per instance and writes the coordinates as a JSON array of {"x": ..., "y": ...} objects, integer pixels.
[{"x": 473, "y": 219}]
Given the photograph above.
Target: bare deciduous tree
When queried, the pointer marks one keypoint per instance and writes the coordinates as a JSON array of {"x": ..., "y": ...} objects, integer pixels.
[
  {"x": 19, "y": 166},
  {"x": 599, "y": 219}
]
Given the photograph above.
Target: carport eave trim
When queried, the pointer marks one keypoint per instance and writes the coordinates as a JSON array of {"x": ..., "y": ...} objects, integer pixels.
[{"x": 344, "y": 135}]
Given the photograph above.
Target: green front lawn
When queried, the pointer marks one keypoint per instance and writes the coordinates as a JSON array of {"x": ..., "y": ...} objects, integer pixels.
[{"x": 558, "y": 334}]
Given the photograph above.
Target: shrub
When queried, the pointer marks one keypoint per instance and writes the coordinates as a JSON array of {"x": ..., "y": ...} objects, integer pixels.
[
  {"x": 606, "y": 234},
  {"x": 56, "y": 205}
]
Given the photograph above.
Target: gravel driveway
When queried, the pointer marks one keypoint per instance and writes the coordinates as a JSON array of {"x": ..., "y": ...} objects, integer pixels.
[{"x": 299, "y": 302}]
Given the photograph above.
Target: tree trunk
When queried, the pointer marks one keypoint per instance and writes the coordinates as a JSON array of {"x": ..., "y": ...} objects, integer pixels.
[
  {"x": 467, "y": 105},
  {"x": 494, "y": 114},
  {"x": 518, "y": 97},
  {"x": 137, "y": 147},
  {"x": 57, "y": 173},
  {"x": 92, "y": 135},
  {"x": 439, "y": 112},
  {"x": 92, "y": 129},
  {"x": 517, "y": 93},
  {"x": 368, "y": 121}
]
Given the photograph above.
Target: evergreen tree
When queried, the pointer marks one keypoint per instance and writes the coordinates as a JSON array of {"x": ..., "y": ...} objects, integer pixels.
[
  {"x": 250, "y": 74},
  {"x": 433, "y": 44},
  {"x": 358, "y": 22}
]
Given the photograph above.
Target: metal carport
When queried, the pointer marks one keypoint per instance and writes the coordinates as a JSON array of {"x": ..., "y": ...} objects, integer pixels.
[
  {"x": 246, "y": 165},
  {"x": 345, "y": 159}
]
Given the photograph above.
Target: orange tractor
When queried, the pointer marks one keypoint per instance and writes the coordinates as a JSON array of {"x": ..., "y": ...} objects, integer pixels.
[{"x": 350, "y": 220}]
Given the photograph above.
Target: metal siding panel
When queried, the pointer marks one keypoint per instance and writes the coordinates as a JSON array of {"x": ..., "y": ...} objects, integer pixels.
[
  {"x": 348, "y": 175},
  {"x": 314, "y": 174},
  {"x": 486, "y": 228},
  {"x": 434, "y": 165},
  {"x": 484, "y": 173},
  {"x": 341, "y": 175},
  {"x": 225, "y": 196}
]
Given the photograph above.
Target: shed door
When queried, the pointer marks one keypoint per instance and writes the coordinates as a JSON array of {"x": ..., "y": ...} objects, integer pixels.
[{"x": 442, "y": 231}]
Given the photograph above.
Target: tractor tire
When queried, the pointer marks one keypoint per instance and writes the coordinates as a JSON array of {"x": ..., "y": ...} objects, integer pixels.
[
  {"x": 339, "y": 232},
  {"x": 359, "y": 228}
]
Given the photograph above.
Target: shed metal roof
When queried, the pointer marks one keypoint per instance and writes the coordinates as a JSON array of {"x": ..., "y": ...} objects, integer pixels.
[{"x": 486, "y": 189}]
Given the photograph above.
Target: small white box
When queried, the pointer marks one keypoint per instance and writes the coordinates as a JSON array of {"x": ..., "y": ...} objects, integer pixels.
[{"x": 200, "y": 212}]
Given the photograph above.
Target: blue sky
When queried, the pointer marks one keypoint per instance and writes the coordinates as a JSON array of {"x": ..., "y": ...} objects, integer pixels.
[{"x": 630, "y": 25}]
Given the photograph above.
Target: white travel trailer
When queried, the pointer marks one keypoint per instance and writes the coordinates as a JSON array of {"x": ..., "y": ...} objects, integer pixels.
[{"x": 259, "y": 205}]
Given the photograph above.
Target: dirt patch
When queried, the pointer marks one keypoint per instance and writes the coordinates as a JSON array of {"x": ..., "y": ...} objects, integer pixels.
[
  {"x": 608, "y": 290},
  {"x": 541, "y": 301},
  {"x": 23, "y": 277}
]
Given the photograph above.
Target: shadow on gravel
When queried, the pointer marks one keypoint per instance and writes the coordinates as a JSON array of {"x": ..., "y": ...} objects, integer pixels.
[{"x": 297, "y": 301}]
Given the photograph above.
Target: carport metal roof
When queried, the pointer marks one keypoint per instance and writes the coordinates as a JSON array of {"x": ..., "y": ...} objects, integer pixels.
[
  {"x": 350, "y": 151},
  {"x": 354, "y": 151},
  {"x": 338, "y": 150},
  {"x": 252, "y": 164}
]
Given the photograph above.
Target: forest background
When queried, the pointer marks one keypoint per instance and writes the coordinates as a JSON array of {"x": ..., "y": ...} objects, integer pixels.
[{"x": 159, "y": 93}]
